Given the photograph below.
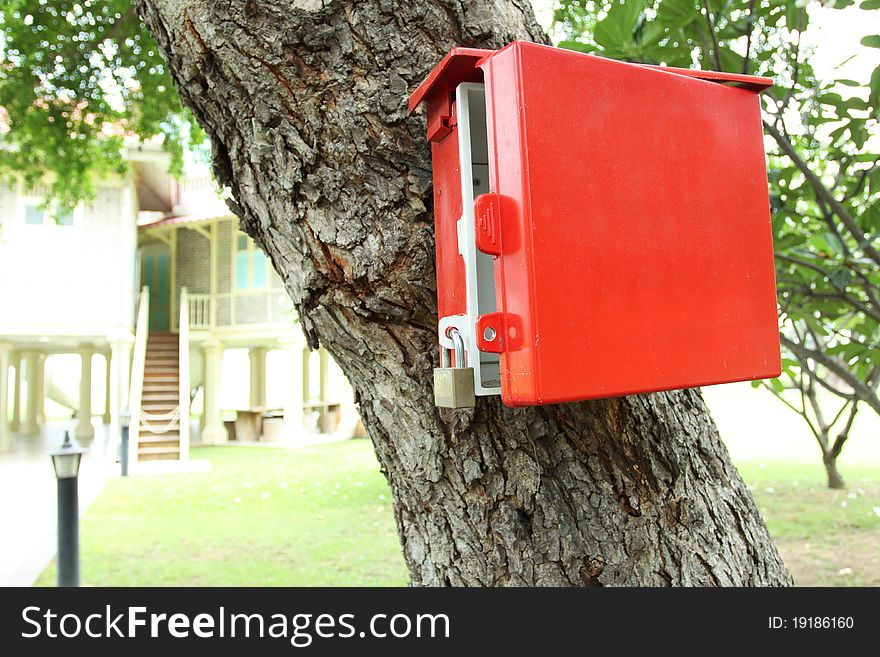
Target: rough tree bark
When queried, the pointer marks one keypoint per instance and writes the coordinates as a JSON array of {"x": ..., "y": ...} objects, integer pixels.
[{"x": 304, "y": 101}]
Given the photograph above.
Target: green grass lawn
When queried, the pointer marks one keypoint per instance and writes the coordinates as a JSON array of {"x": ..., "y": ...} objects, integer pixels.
[
  {"x": 826, "y": 537},
  {"x": 260, "y": 517},
  {"x": 322, "y": 516}
]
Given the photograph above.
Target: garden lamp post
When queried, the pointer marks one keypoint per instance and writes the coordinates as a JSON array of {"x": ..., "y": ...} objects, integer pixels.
[{"x": 66, "y": 460}]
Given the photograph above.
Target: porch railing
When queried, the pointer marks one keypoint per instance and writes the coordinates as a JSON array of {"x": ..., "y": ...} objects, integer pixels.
[{"x": 199, "y": 314}]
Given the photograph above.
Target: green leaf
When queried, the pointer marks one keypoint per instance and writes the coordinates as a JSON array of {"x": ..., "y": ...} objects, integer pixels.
[
  {"x": 841, "y": 277},
  {"x": 858, "y": 132},
  {"x": 830, "y": 99},
  {"x": 790, "y": 240},
  {"x": 730, "y": 59},
  {"x": 837, "y": 134},
  {"x": 870, "y": 4},
  {"x": 874, "y": 97},
  {"x": 676, "y": 14},
  {"x": 651, "y": 34},
  {"x": 855, "y": 103},
  {"x": 616, "y": 30},
  {"x": 795, "y": 17},
  {"x": 577, "y": 45},
  {"x": 735, "y": 29},
  {"x": 872, "y": 41},
  {"x": 871, "y": 216}
]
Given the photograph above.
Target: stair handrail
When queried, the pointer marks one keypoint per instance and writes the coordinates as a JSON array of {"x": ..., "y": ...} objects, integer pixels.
[
  {"x": 183, "y": 360},
  {"x": 138, "y": 364}
]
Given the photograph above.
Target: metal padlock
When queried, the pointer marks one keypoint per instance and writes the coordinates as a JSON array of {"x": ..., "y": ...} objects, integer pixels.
[{"x": 454, "y": 386}]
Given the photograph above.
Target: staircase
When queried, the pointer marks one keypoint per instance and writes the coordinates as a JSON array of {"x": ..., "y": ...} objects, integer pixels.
[{"x": 159, "y": 432}]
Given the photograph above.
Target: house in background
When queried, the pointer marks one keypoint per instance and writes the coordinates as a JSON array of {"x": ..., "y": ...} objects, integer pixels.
[
  {"x": 155, "y": 278},
  {"x": 66, "y": 285}
]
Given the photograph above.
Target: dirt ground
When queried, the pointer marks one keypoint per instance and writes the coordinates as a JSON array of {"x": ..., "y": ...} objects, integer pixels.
[{"x": 852, "y": 558}]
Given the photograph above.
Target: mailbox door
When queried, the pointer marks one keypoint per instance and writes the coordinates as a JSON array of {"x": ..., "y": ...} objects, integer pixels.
[{"x": 635, "y": 249}]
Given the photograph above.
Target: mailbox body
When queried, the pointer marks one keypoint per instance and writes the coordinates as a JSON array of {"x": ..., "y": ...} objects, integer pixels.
[{"x": 628, "y": 217}]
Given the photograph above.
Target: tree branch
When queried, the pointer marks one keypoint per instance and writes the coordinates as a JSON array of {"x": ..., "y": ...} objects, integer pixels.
[
  {"x": 839, "y": 414},
  {"x": 805, "y": 367},
  {"x": 712, "y": 34},
  {"x": 751, "y": 19},
  {"x": 803, "y": 413},
  {"x": 823, "y": 192},
  {"x": 796, "y": 286},
  {"x": 862, "y": 177},
  {"x": 842, "y": 437},
  {"x": 868, "y": 287},
  {"x": 835, "y": 391},
  {"x": 795, "y": 76},
  {"x": 864, "y": 392}
]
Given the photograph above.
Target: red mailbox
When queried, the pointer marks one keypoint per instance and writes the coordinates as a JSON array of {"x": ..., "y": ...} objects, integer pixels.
[{"x": 602, "y": 228}]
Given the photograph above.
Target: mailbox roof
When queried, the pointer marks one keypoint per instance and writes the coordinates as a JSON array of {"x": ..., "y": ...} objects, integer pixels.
[{"x": 463, "y": 64}]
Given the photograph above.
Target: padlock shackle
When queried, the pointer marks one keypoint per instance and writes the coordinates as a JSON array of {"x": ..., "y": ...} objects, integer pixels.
[{"x": 458, "y": 346}]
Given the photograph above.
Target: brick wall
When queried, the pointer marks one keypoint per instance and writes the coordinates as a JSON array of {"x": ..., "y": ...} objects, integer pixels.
[
  {"x": 224, "y": 256},
  {"x": 193, "y": 265}
]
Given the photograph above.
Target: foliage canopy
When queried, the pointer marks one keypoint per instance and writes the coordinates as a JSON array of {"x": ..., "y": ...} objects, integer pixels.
[{"x": 76, "y": 79}]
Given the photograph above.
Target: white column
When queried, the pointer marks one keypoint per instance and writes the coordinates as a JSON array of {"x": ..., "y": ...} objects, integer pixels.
[
  {"x": 41, "y": 389},
  {"x": 16, "y": 394},
  {"x": 306, "y": 375},
  {"x": 5, "y": 430},
  {"x": 30, "y": 426},
  {"x": 258, "y": 376},
  {"x": 197, "y": 378},
  {"x": 214, "y": 433},
  {"x": 323, "y": 372},
  {"x": 120, "y": 375},
  {"x": 108, "y": 360},
  {"x": 323, "y": 396},
  {"x": 84, "y": 428},
  {"x": 293, "y": 401},
  {"x": 349, "y": 418}
]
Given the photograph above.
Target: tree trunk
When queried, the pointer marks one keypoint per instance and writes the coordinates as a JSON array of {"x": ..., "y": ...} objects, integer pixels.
[
  {"x": 835, "y": 479},
  {"x": 305, "y": 104}
]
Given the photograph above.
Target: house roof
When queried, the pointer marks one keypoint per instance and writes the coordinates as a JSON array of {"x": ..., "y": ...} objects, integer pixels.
[
  {"x": 166, "y": 201},
  {"x": 157, "y": 219}
]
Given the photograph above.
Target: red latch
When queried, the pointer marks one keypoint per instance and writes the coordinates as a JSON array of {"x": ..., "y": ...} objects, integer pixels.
[
  {"x": 441, "y": 118},
  {"x": 487, "y": 217},
  {"x": 440, "y": 127},
  {"x": 490, "y": 332}
]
